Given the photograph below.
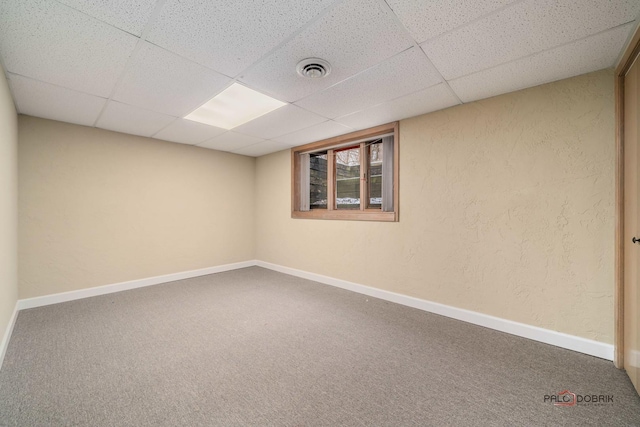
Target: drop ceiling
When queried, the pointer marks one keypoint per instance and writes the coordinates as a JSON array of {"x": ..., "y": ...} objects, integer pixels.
[{"x": 140, "y": 66}]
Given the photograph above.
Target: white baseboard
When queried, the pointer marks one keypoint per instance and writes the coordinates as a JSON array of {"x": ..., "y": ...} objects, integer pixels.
[
  {"x": 7, "y": 334},
  {"x": 125, "y": 286},
  {"x": 559, "y": 339}
]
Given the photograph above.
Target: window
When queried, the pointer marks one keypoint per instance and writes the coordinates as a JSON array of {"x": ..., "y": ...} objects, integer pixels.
[{"x": 352, "y": 177}]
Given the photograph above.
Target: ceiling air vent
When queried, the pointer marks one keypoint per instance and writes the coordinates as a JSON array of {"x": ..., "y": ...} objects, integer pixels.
[{"x": 313, "y": 68}]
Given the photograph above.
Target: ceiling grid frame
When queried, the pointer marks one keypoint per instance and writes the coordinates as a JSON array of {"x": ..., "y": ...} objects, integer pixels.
[
  {"x": 141, "y": 40},
  {"x": 416, "y": 99}
]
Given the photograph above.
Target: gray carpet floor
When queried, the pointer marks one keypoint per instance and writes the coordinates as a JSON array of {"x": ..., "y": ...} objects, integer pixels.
[{"x": 253, "y": 347}]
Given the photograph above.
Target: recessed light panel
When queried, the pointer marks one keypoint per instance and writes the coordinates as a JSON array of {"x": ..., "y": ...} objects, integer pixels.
[{"x": 234, "y": 106}]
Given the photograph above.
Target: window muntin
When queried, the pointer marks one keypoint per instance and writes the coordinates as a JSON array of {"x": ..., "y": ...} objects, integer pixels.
[{"x": 353, "y": 176}]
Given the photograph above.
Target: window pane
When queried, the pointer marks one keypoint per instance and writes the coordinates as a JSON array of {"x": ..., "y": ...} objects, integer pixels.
[
  {"x": 375, "y": 176},
  {"x": 318, "y": 181},
  {"x": 348, "y": 178}
]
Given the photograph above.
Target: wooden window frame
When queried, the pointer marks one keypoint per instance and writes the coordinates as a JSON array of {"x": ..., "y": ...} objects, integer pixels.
[{"x": 340, "y": 142}]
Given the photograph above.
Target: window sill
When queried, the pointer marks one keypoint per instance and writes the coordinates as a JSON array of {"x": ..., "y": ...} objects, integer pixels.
[{"x": 355, "y": 215}]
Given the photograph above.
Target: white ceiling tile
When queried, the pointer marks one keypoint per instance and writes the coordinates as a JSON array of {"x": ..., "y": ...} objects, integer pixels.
[
  {"x": 188, "y": 132},
  {"x": 229, "y": 35},
  {"x": 161, "y": 81},
  {"x": 230, "y": 141},
  {"x": 405, "y": 73},
  {"x": 262, "y": 148},
  {"x": 128, "y": 15},
  {"x": 54, "y": 102},
  {"x": 280, "y": 122},
  {"x": 428, "y": 19},
  {"x": 51, "y": 42},
  {"x": 523, "y": 29},
  {"x": 354, "y": 36},
  {"x": 590, "y": 54},
  {"x": 128, "y": 119},
  {"x": 317, "y": 132},
  {"x": 425, "y": 101},
  {"x": 65, "y": 57}
]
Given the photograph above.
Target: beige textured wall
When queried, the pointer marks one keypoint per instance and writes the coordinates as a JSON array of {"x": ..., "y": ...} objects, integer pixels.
[
  {"x": 99, "y": 207},
  {"x": 8, "y": 205},
  {"x": 506, "y": 208}
]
